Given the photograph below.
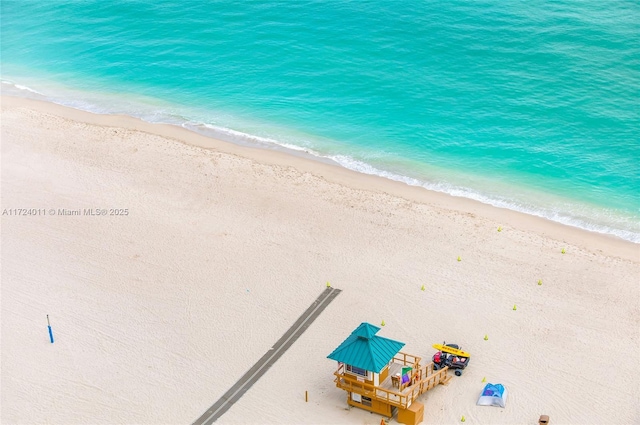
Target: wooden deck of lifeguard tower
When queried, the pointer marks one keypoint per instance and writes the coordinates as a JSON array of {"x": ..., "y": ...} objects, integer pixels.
[{"x": 386, "y": 395}]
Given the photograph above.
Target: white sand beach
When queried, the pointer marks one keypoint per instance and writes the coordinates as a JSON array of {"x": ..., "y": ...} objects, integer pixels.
[{"x": 158, "y": 311}]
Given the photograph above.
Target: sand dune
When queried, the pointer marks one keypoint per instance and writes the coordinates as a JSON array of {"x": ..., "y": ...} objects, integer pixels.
[{"x": 158, "y": 312}]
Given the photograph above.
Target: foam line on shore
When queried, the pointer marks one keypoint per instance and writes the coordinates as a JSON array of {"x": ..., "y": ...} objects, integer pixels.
[{"x": 590, "y": 218}]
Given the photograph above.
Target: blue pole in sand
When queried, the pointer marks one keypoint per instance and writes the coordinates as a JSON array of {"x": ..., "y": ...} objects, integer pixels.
[{"x": 50, "y": 331}]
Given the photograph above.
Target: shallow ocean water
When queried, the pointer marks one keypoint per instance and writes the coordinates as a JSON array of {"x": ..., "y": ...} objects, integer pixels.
[{"x": 532, "y": 107}]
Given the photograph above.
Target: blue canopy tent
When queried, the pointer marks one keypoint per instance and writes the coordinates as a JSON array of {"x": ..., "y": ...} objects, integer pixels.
[{"x": 493, "y": 395}]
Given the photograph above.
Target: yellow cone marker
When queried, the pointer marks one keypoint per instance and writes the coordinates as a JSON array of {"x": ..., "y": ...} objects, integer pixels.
[
  {"x": 463, "y": 419},
  {"x": 539, "y": 281},
  {"x": 486, "y": 337},
  {"x": 382, "y": 323},
  {"x": 563, "y": 251},
  {"x": 499, "y": 229},
  {"x": 484, "y": 379},
  {"x": 514, "y": 307},
  {"x": 328, "y": 285},
  {"x": 422, "y": 289},
  {"x": 459, "y": 259}
]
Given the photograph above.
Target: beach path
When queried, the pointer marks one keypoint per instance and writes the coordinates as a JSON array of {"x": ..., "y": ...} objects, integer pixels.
[{"x": 270, "y": 357}]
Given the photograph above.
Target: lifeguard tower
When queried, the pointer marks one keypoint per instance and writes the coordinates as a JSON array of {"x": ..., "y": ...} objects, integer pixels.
[{"x": 379, "y": 378}]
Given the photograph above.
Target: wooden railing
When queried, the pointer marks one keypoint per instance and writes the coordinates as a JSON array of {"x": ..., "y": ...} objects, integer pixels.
[
  {"x": 422, "y": 380},
  {"x": 425, "y": 379},
  {"x": 407, "y": 360}
]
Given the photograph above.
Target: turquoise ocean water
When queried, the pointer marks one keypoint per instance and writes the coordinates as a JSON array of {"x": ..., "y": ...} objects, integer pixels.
[{"x": 532, "y": 106}]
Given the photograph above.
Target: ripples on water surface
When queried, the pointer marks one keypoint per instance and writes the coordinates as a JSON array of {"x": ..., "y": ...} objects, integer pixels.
[{"x": 529, "y": 106}]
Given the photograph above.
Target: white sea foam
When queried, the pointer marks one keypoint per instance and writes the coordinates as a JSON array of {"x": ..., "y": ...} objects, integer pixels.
[
  {"x": 592, "y": 219},
  {"x": 11, "y": 85},
  {"x": 598, "y": 219},
  {"x": 246, "y": 139},
  {"x": 27, "y": 89}
]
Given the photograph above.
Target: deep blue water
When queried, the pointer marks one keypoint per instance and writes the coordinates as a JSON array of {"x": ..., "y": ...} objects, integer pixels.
[{"x": 532, "y": 106}]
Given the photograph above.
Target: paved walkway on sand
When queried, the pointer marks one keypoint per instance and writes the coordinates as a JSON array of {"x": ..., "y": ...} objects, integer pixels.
[{"x": 248, "y": 379}]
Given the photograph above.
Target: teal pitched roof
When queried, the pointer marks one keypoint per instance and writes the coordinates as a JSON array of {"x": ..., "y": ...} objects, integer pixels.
[{"x": 365, "y": 350}]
